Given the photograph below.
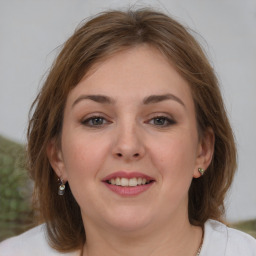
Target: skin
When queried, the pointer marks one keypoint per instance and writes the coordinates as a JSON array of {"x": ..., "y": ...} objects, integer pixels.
[{"x": 159, "y": 139}]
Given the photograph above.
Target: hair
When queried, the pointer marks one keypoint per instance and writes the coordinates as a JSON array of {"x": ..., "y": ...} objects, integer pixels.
[{"x": 95, "y": 40}]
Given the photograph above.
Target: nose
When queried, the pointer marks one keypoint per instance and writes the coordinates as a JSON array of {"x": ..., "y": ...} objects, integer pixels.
[{"x": 128, "y": 143}]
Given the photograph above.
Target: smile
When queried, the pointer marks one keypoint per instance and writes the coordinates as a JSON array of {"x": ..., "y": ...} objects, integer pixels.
[
  {"x": 128, "y": 184},
  {"x": 133, "y": 182}
]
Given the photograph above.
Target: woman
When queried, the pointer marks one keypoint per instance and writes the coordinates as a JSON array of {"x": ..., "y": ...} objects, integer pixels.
[{"x": 130, "y": 147}]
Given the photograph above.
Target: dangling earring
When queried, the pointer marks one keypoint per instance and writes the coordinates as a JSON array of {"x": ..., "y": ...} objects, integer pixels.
[
  {"x": 61, "y": 189},
  {"x": 201, "y": 170}
]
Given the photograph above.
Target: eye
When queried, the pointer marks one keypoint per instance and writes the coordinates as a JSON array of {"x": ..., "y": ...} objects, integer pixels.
[
  {"x": 95, "y": 121},
  {"x": 161, "y": 121}
]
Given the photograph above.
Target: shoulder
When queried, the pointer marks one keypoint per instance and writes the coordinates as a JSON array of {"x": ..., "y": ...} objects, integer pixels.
[
  {"x": 32, "y": 242},
  {"x": 222, "y": 240}
]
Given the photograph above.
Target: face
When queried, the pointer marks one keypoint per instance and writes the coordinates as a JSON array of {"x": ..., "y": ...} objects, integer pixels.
[{"x": 129, "y": 144}]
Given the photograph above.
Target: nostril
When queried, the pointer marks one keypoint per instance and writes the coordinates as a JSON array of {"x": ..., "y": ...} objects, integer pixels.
[{"x": 134, "y": 155}]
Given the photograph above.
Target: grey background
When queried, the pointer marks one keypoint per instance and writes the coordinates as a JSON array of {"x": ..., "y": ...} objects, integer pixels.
[{"x": 31, "y": 30}]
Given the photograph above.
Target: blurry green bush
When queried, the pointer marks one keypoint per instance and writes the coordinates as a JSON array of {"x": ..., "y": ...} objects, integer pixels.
[
  {"x": 246, "y": 226},
  {"x": 16, "y": 214}
]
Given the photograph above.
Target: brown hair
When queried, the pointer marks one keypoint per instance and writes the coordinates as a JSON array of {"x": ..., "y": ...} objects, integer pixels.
[{"x": 95, "y": 40}]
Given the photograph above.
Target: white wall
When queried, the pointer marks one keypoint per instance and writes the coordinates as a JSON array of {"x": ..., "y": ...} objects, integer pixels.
[{"x": 31, "y": 30}]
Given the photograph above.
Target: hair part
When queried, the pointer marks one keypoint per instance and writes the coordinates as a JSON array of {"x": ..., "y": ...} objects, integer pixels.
[{"x": 93, "y": 42}]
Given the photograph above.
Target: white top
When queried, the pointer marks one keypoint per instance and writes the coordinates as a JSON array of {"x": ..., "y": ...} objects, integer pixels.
[{"x": 219, "y": 240}]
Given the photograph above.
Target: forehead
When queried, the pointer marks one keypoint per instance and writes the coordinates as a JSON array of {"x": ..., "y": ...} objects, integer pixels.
[{"x": 134, "y": 72}]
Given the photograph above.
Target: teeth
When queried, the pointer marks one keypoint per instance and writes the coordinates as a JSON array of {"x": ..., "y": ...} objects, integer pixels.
[
  {"x": 118, "y": 181},
  {"x": 124, "y": 182},
  {"x": 128, "y": 182},
  {"x": 133, "y": 182}
]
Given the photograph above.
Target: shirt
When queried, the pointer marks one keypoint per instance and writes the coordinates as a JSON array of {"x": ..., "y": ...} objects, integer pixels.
[{"x": 219, "y": 240}]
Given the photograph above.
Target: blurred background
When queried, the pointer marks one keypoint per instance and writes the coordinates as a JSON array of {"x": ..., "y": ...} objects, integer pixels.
[{"x": 30, "y": 33}]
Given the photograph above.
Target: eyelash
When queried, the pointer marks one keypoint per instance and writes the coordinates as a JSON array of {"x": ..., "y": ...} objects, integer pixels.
[
  {"x": 88, "y": 121},
  {"x": 165, "y": 121}
]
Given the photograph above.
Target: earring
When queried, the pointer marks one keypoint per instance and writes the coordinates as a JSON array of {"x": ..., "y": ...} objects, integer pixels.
[
  {"x": 61, "y": 189},
  {"x": 201, "y": 170}
]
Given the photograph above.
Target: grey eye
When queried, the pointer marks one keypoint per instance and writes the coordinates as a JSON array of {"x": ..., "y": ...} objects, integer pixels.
[
  {"x": 94, "y": 121},
  {"x": 161, "y": 121},
  {"x": 97, "y": 121}
]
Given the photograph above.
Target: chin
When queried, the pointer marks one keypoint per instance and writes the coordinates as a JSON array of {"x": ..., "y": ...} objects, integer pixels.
[
  {"x": 128, "y": 220},
  {"x": 129, "y": 226}
]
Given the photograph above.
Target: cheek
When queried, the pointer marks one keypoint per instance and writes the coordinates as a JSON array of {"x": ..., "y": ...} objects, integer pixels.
[
  {"x": 81, "y": 157},
  {"x": 175, "y": 158},
  {"x": 83, "y": 161}
]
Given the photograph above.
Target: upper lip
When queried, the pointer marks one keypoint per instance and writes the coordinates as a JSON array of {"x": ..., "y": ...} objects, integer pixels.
[{"x": 127, "y": 175}]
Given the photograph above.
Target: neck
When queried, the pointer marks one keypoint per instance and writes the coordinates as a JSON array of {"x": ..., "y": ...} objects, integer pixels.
[{"x": 173, "y": 238}]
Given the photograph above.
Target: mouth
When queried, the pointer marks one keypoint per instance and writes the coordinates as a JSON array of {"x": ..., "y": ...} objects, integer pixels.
[
  {"x": 128, "y": 184},
  {"x": 133, "y": 182}
]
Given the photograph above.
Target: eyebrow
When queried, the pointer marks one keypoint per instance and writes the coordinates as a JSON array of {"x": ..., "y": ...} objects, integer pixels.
[
  {"x": 158, "y": 98},
  {"x": 97, "y": 98},
  {"x": 148, "y": 100}
]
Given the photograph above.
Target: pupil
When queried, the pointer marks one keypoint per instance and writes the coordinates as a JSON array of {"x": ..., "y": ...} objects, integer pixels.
[
  {"x": 159, "y": 121},
  {"x": 97, "y": 121}
]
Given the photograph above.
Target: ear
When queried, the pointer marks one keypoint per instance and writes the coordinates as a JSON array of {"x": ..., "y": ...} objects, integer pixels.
[
  {"x": 55, "y": 157},
  {"x": 205, "y": 151}
]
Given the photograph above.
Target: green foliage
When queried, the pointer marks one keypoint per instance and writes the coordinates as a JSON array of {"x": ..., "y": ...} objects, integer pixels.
[
  {"x": 15, "y": 190},
  {"x": 247, "y": 226}
]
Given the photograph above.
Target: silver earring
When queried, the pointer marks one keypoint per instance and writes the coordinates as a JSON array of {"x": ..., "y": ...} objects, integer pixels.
[
  {"x": 201, "y": 170},
  {"x": 61, "y": 189}
]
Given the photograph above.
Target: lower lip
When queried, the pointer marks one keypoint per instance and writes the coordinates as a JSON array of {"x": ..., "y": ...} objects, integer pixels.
[{"x": 129, "y": 191}]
